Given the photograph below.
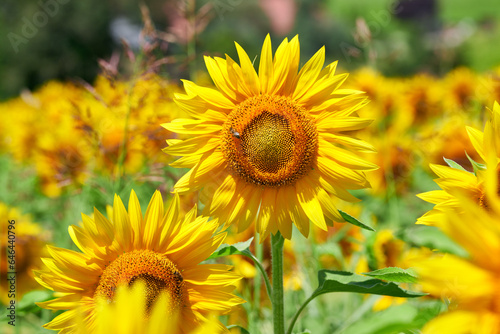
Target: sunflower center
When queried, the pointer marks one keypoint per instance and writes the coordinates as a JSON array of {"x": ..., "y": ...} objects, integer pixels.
[
  {"x": 157, "y": 272},
  {"x": 269, "y": 140}
]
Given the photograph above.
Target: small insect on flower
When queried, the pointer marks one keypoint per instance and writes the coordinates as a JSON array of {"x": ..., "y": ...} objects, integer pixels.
[{"x": 235, "y": 133}]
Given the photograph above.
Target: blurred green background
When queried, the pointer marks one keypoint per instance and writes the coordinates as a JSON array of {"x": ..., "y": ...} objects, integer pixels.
[{"x": 64, "y": 39}]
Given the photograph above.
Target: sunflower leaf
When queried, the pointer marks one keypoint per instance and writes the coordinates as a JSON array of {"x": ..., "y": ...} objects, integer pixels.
[
  {"x": 350, "y": 219},
  {"x": 454, "y": 165},
  {"x": 342, "y": 281},
  {"x": 394, "y": 274},
  {"x": 476, "y": 165},
  {"x": 240, "y": 248}
]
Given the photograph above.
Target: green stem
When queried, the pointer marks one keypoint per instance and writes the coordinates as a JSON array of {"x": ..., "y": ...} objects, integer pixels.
[
  {"x": 258, "y": 263},
  {"x": 254, "y": 314},
  {"x": 277, "y": 242},
  {"x": 296, "y": 316}
]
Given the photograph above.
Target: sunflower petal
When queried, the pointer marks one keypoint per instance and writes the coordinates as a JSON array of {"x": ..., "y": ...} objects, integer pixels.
[
  {"x": 309, "y": 202},
  {"x": 266, "y": 66}
]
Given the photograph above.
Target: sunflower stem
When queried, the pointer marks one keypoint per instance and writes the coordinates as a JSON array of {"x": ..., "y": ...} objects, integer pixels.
[{"x": 277, "y": 242}]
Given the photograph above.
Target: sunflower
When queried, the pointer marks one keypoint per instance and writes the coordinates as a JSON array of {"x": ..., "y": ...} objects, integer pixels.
[
  {"x": 456, "y": 182},
  {"x": 30, "y": 240},
  {"x": 274, "y": 146},
  {"x": 448, "y": 138},
  {"x": 159, "y": 249},
  {"x": 469, "y": 283},
  {"x": 460, "y": 86}
]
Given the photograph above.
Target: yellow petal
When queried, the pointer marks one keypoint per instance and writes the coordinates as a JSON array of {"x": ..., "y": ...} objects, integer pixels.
[
  {"x": 309, "y": 202},
  {"x": 219, "y": 79},
  {"x": 350, "y": 142},
  {"x": 343, "y": 124},
  {"x": 210, "y": 162},
  {"x": 336, "y": 174},
  {"x": 209, "y": 95},
  {"x": 343, "y": 157},
  {"x": 321, "y": 90},
  {"x": 135, "y": 216},
  {"x": 152, "y": 219},
  {"x": 283, "y": 219},
  {"x": 435, "y": 196},
  {"x": 123, "y": 232},
  {"x": 477, "y": 139},
  {"x": 249, "y": 75},
  {"x": 223, "y": 194},
  {"x": 195, "y": 145},
  {"x": 453, "y": 173},
  {"x": 266, "y": 215},
  {"x": 266, "y": 68},
  {"x": 191, "y": 126},
  {"x": 309, "y": 73},
  {"x": 297, "y": 214},
  {"x": 280, "y": 68}
]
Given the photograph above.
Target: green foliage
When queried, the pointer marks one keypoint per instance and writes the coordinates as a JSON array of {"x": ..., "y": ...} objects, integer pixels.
[
  {"x": 394, "y": 274},
  {"x": 240, "y": 248},
  {"x": 453, "y": 164},
  {"x": 350, "y": 219},
  {"x": 341, "y": 281}
]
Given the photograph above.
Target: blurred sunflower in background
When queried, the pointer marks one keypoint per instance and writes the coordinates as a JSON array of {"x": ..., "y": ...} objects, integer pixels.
[
  {"x": 160, "y": 249},
  {"x": 111, "y": 127},
  {"x": 456, "y": 182},
  {"x": 29, "y": 245},
  {"x": 279, "y": 142}
]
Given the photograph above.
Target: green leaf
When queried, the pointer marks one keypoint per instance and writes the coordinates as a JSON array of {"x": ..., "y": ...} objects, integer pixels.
[
  {"x": 350, "y": 219},
  {"x": 27, "y": 303},
  {"x": 476, "y": 165},
  {"x": 240, "y": 248},
  {"x": 394, "y": 274},
  {"x": 342, "y": 281},
  {"x": 454, "y": 165}
]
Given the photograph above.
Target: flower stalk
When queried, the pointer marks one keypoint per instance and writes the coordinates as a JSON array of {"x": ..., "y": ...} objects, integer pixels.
[{"x": 277, "y": 242}]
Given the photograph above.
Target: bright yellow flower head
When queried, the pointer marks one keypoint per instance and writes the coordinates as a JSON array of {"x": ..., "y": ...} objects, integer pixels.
[
  {"x": 159, "y": 248},
  {"x": 277, "y": 143},
  {"x": 27, "y": 240}
]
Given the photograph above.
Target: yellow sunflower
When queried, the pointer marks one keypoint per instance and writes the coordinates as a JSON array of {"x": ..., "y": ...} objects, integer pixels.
[
  {"x": 456, "y": 182},
  {"x": 27, "y": 240},
  {"x": 274, "y": 146},
  {"x": 469, "y": 284},
  {"x": 159, "y": 249}
]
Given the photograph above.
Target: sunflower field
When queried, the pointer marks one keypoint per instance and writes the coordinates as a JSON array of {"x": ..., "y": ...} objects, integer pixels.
[{"x": 230, "y": 166}]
